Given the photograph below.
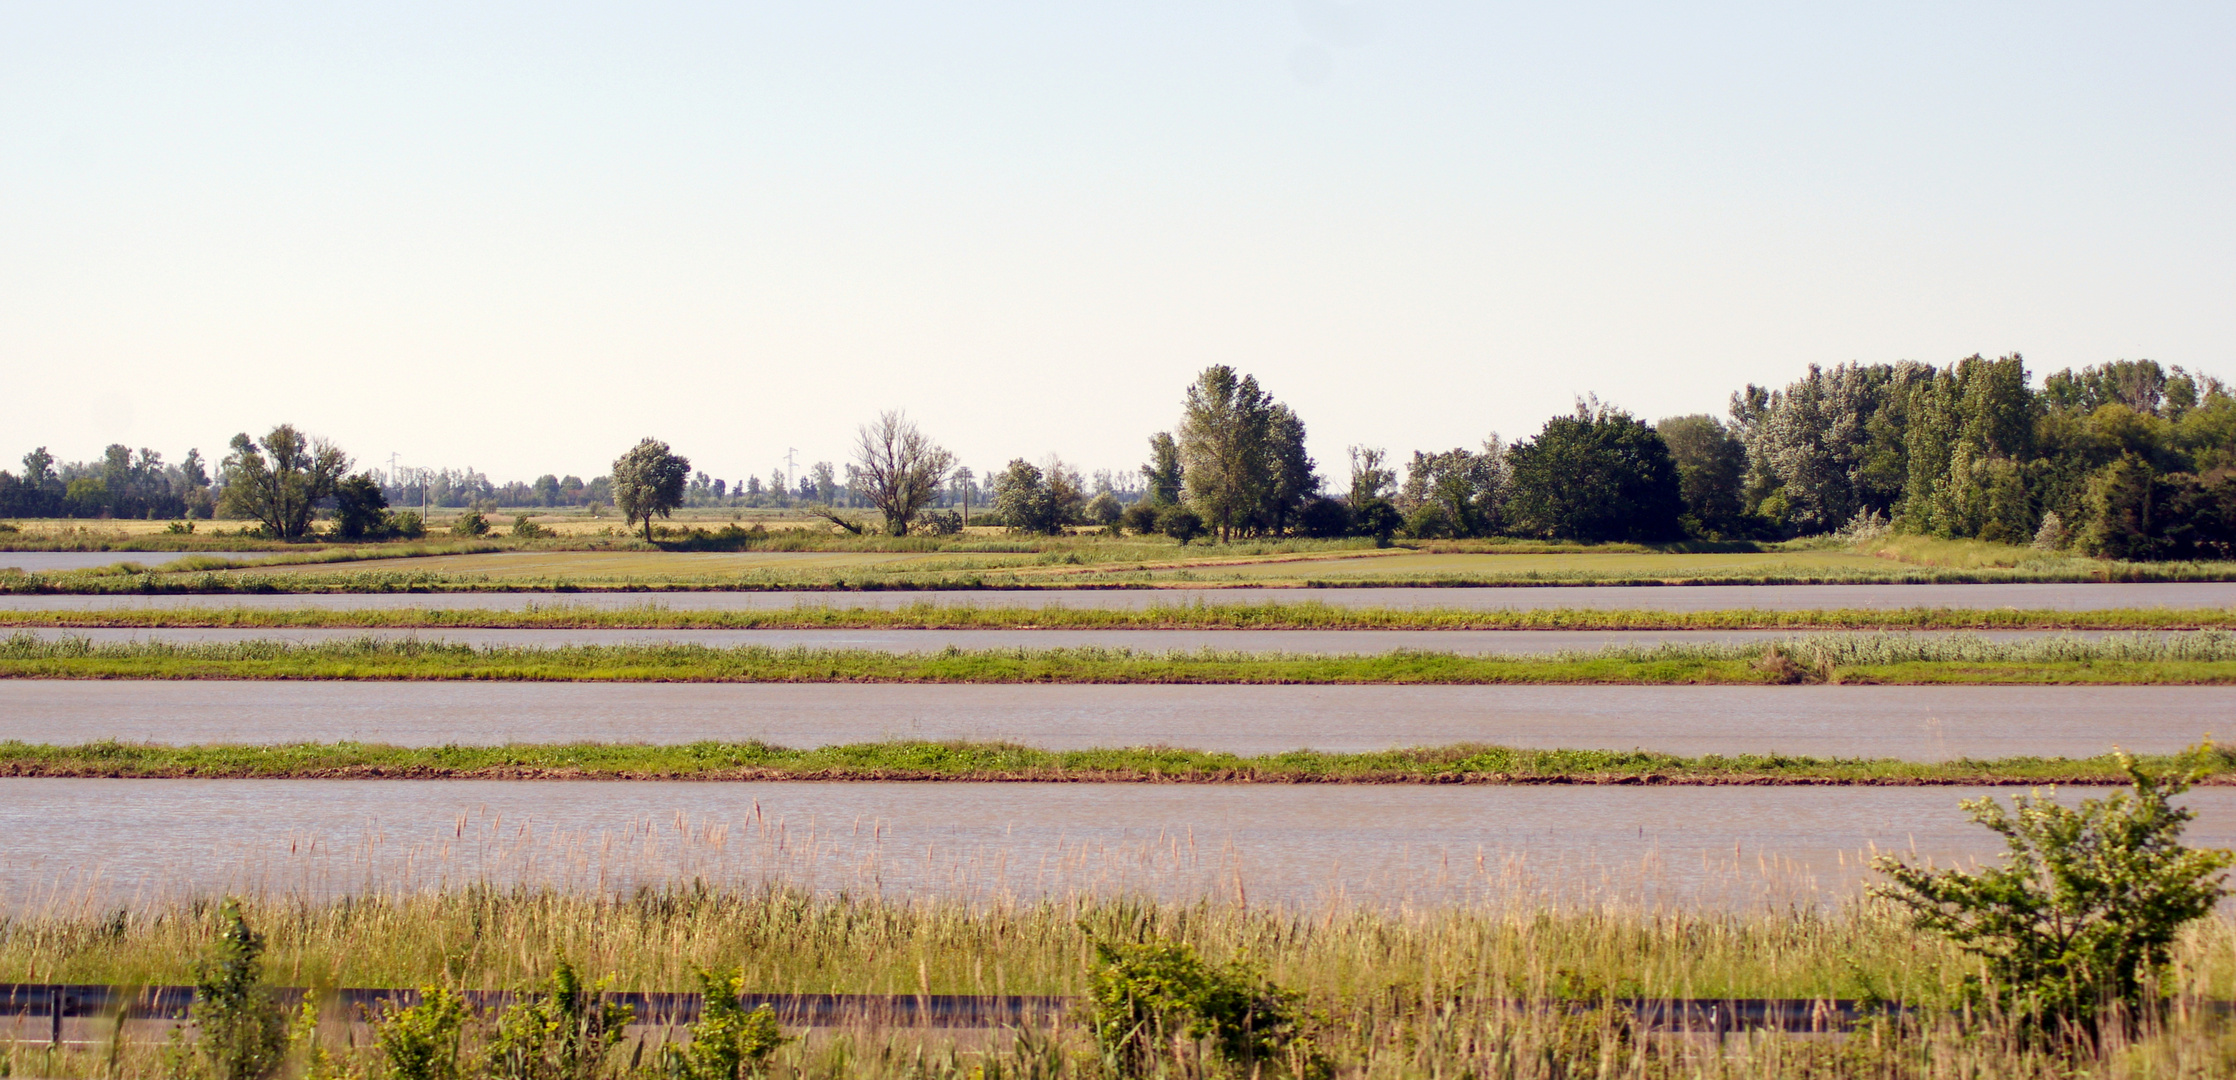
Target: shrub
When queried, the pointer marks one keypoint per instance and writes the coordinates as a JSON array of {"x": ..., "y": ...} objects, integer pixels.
[
  {"x": 406, "y": 525},
  {"x": 728, "y": 1043},
  {"x": 421, "y": 1042},
  {"x": 524, "y": 529},
  {"x": 176, "y": 528},
  {"x": 1180, "y": 523},
  {"x": 2052, "y": 535},
  {"x": 471, "y": 523},
  {"x": 1324, "y": 518},
  {"x": 1139, "y": 519},
  {"x": 1103, "y": 509},
  {"x": 2083, "y": 915},
  {"x": 938, "y": 523},
  {"x": 240, "y": 1032},
  {"x": 1145, "y": 995},
  {"x": 561, "y": 1030}
]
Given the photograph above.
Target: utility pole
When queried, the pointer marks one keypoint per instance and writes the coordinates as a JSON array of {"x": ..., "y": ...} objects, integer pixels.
[
  {"x": 394, "y": 477},
  {"x": 791, "y": 465}
]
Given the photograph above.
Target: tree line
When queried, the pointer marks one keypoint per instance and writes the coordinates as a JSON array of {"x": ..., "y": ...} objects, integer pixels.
[{"x": 2124, "y": 460}]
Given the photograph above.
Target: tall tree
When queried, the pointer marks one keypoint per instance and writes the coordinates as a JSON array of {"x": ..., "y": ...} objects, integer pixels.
[
  {"x": 900, "y": 470},
  {"x": 1223, "y": 448},
  {"x": 1711, "y": 472},
  {"x": 1596, "y": 475},
  {"x": 649, "y": 480},
  {"x": 1164, "y": 474},
  {"x": 1290, "y": 475},
  {"x": 278, "y": 483}
]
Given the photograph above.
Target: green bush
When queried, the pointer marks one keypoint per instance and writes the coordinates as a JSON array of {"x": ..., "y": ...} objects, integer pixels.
[
  {"x": 1180, "y": 523},
  {"x": 562, "y": 1030},
  {"x": 1147, "y": 995},
  {"x": 471, "y": 523},
  {"x": 421, "y": 1042},
  {"x": 1139, "y": 519},
  {"x": 728, "y": 1043},
  {"x": 240, "y": 1032},
  {"x": 406, "y": 525},
  {"x": 525, "y": 529},
  {"x": 2082, "y": 917}
]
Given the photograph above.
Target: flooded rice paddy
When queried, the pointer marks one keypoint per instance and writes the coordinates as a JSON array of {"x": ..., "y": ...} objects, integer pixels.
[
  {"x": 1319, "y": 642},
  {"x": 147, "y": 840},
  {"x": 2050, "y": 596},
  {"x": 1923, "y": 723}
]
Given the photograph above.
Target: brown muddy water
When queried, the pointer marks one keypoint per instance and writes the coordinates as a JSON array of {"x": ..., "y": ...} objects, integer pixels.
[
  {"x": 108, "y": 841},
  {"x": 1927, "y": 723},
  {"x": 2060, "y": 597},
  {"x": 1319, "y": 642}
]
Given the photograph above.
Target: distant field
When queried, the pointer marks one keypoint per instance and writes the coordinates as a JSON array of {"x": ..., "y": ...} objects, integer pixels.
[
  {"x": 614, "y": 565},
  {"x": 1571, "y": 564},
  {"x": 807, "y": 559}
]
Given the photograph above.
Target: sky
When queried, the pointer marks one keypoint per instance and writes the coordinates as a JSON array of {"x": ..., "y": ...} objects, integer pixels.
[{"x": 519, "y": 237}]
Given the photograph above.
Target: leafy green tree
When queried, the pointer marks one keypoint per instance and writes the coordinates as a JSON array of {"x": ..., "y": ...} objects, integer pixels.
[
  {"x": 1597, "y": 475},
  {"x": 547, "y": 490},
  {"x": 649, "y": 480},
  {"x": 2084, "y": 912},
  {"x": 1035, "y": 500},
  {"x": 1458, "y": 492},
  {"x": 1291, "y": 479},
  {"x": 1223, "y": 448},
  {"x": 1711, "y": 473},
  {"x": 1164, "y": 474},
  {"x": 360, "y": 508},
  {"x": 899, "y": 469},
  {"x": 279, "y": 482}
]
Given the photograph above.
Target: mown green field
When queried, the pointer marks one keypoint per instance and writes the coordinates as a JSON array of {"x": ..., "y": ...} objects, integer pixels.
[
  {"x": 2199, "y": 658},
  {"x": 929, "y": 761}
]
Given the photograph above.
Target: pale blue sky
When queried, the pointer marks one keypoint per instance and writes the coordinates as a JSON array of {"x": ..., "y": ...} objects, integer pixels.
[{"x": 520, "y": 236}]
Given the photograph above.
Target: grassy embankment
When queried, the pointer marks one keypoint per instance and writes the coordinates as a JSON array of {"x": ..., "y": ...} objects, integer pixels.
[
  {"x": 2199, "y": 658},
  {"x": 1426, "y": 991},
  {"x": 1003, "y": 762},
  {"x": 814, "y": 561},
  {"x": 1299, "y": 615}
]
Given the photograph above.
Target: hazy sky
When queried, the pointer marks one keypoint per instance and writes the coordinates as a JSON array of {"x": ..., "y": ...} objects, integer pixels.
[{"x": 519, "y": 237}]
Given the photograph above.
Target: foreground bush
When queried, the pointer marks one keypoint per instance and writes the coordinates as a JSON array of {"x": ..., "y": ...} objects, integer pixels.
[{"x": 2082, "y": 918}]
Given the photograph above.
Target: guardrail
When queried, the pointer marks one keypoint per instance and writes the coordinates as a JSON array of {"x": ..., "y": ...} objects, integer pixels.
[{"x": 55, "y": 1002}]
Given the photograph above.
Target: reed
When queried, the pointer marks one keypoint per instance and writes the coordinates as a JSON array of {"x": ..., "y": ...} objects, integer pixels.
[
  {"x": 1445, "y": 991},
  {"x": 2200, "y": 657}
]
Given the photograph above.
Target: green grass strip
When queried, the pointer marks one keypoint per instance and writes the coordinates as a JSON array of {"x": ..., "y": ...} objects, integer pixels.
[
  {"x": 2200, "y": 657},
  {"x": 1302, "y": 615},
  {"x": 954, "y": 761}
]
